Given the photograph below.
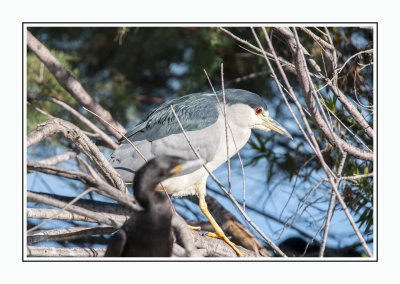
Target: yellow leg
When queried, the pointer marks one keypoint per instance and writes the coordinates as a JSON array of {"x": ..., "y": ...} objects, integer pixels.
[{"x": 218, "y": 231}]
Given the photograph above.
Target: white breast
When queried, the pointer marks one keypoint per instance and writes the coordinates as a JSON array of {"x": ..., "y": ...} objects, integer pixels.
[{"x": 239, "y": 131}]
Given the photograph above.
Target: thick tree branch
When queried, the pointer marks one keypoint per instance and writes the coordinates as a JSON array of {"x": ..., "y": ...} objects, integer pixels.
[
  {"x": 103, "y": 187},
  {"x": 78, "y": 115},
  {"x": 69, "y": 83},
  {"x": 54, "y": 160},
  {"x": 83, "y": 144},
  {"x": 44, "y": 213},
  {"x": 96, "y": 206},
  {"x": 64, "y": 252},
  {"x": 289, "y": 37},
  {"x": 100, "y": 217},
  {"x": 68, "y": 234},
  {"x": 307, "y": 87}
]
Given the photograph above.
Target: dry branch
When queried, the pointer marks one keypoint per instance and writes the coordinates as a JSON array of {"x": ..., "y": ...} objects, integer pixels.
[
  {"x": 292, "y": 44},
  {"x": 218, "y": 248},
  {"x": 83, "y": 144},
  {"x": 64, "y": 252},
  {"x": 102, "y": 187},
  {"x": 54, "y": 160},
  {"x": 92, "y": 205},
  {"x": 68, "y": 234},
  {"x": 100, "y": 217},
  {"x": 69, "y": 83},
  {"x": 78, "y": 115},
  {"x": 43, "y": 213}
]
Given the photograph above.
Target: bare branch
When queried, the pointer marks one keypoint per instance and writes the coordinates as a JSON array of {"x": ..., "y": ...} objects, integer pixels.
[
  {"x": 233, "y": 139},
  {"x": 285, "y": 63},
  {"x": 307, "y": 91},
  {"x": 100, "y": 217},
  {"x": 217, "y": 248},
  {"x": 54, "y": 160},
  {"x": 226, "y": 128},
  {"x": 308, "y": 95},
  {"x": 43, "y": 213},
  {"x": 69, "y": 83},
  {"x": 288, "y": 35},
  {"x": 184, "y": 235},
  {"x": 65, "y": 252},
  {"x": 331, "y": 206},
  {"x": 319, "y": 40},
  {"x": 79, "y": 116},
  {"x": 68, "y": 234},
  {"x": 83, "y": 144},
  {"x": 96, "y": 206},
  {"x": 90, "y": 189},
  {"x": 103, "y": 187}
]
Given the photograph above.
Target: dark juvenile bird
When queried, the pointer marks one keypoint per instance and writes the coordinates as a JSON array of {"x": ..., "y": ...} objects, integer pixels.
[
  {"x": 203, "y": 120},
  {"x": 148, "y": 232}
]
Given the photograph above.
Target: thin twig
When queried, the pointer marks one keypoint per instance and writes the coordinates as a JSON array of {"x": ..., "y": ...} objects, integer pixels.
[
  {"x": 62, "y": 209},
  {"x": 319, "y": 40},
  {"x": 78, "y": 115},
  {"x": 34, "y": 197},
  {"x": 45, "y": 213},
  {"x": 54, "y": 160},
  {"x": 226, "y": 128},
  {"x": 233, "y": 139},
  {"x": 106, "y": 189},
  {"x": 331, "y": 206},
  {"x": 67, "y": 234}
]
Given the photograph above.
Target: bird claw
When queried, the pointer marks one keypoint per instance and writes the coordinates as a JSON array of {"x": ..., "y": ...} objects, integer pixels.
[
  {"x": 213, "y": 235},
  {"x": 195, "y": 228}
]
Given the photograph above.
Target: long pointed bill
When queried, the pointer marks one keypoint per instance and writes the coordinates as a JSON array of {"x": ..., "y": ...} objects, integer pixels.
[{"x": 275, "y": 126}]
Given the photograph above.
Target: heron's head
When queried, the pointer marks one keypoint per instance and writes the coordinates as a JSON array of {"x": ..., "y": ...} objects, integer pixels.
[
  {"x": 265, "y": 123},
  {"x": 250, "y": 109}
]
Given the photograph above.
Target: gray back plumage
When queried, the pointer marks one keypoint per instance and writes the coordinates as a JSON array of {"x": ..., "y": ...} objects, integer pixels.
[{"x": 195, "y": 112}]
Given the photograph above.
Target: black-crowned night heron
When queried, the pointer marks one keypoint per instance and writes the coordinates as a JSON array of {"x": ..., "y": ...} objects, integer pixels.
[
  {"x": 202, "y": 118},
  {"x": 148, "y": 232}
]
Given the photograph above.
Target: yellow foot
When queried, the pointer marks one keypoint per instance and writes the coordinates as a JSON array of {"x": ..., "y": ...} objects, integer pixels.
[
  {"x": 213, "y": 235},
  {"x": 196, "y": 228}
]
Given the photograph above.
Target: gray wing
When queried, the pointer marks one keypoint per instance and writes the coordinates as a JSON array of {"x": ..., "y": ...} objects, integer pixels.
[
  {"x": 195, "y": 111},
  {"x": 160, "y": 134}
]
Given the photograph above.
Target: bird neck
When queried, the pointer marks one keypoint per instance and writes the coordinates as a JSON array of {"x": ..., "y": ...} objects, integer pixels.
[{"x": 144, "y": 191}]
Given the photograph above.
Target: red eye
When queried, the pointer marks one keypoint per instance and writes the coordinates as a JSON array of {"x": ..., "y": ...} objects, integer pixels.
[{"x": 258, "y": 110}]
